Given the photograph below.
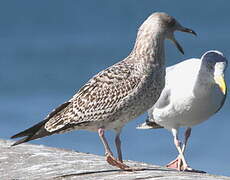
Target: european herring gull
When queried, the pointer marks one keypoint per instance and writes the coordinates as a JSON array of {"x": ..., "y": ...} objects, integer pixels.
[
  {"x": 117, "y": 94},
  {"x": 195, "y": 90}
]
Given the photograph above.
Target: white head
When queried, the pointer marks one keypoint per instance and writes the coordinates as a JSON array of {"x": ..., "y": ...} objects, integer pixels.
[
  {"x": 166, "y": 25},
  {"x": 216, "y": 65},
  {"x": 215, "y": 62}
]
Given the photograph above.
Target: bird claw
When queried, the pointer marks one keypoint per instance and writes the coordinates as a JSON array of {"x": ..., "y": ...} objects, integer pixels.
[
  {"x": 175, "y": 164},
  {"x": 114, "y": 162},
  {"x": 178, "y": 165}
]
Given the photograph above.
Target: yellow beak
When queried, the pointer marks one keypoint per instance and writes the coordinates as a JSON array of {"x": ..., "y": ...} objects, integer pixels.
[{"x": 221, "y": 82}]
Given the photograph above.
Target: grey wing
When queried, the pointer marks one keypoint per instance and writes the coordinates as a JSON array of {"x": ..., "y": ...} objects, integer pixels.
[
  {"x": 98, "y": 99},
  {"x": 164, "y": 99},
  {"x": 162, "y": 102}
]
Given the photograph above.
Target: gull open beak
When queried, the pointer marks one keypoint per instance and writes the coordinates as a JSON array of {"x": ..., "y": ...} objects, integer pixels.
[
  {"x": 187, "y": 30},
  {"x": 177, "y": 45},
  {"x": 221, "y": 82},
  {"x": 182, "y": 29}
]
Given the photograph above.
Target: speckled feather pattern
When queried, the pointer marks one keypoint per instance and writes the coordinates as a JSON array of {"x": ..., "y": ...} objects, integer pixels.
[
  {"x": 121, "y": 92},
  {"x": 98, "y": 99}
]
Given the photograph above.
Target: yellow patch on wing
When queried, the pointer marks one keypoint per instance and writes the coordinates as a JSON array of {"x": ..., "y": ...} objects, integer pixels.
[{"x": 221, "y": 82}]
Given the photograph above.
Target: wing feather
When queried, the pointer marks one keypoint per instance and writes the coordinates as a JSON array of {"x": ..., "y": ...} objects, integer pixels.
[{"x": 97, "y": 99}]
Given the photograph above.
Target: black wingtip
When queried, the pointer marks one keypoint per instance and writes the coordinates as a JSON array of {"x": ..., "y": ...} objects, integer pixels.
[
  {"x": 38, "y": 130},
  {"x": 21, "y": 141},
  {"x": 35, "y": 132},
  {"x": 15, "y": 136},
  {"x": 14, "y": 144}
]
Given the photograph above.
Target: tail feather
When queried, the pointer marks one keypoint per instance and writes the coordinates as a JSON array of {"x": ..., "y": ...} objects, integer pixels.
[
  {"x": 149, "y": 125},
  {"x": 38, "y": 130},
  {"x": 25, "y": 139},
  {"x": 29, "y": 131},
  {"x": 35, "y": 132}
]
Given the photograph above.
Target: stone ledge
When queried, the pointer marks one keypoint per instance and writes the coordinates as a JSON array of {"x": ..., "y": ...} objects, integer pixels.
[{"x": 28, "y": 161}]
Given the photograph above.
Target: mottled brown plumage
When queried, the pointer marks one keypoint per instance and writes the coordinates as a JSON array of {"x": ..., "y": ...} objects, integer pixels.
[{"x": 119, "y": 93}]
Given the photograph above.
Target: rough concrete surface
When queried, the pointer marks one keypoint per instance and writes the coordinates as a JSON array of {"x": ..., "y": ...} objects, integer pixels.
[{"x": 28, "y": 162}]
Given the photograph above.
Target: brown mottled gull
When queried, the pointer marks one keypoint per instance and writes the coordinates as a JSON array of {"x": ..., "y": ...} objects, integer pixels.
[{"x": 117, "y": 94}]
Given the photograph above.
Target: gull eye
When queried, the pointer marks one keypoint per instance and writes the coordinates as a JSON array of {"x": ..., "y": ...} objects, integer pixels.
[
  {"x": 172, "y": 22},
  {"x": 211, "y": 66}
]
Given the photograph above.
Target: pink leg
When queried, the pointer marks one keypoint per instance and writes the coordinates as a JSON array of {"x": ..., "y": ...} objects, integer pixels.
[
  {"x": 118, "y": 145},
  {"x": 109, "y": 156},
  {"x": 186, "y": 137},
  {"x": 104, "y": 141},
  {"x": 179, "y": 163}
]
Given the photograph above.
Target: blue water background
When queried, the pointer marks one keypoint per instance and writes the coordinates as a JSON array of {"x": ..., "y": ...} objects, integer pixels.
[{"x": 50, "y": 48}]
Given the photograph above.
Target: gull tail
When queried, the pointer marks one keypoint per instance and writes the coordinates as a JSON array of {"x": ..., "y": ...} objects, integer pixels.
[
  {"x": 35, "y": 132},
  {"x": 149, "y": 125},
  {"x": 38, "y": 130}
]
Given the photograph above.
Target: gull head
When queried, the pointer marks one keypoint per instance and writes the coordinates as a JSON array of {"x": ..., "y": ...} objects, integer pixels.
[
  {"x": 216, "y": 64},
  {"x": 167, "y": 25}
]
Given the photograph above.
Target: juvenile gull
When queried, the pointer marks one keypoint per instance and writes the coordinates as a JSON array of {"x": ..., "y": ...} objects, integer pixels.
[
  {"x": 195, "y": 89},
  {"x": 117, "y": 94}
]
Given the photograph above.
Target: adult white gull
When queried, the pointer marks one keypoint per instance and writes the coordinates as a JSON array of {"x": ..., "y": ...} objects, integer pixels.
[{"x": 195, "y": 90}]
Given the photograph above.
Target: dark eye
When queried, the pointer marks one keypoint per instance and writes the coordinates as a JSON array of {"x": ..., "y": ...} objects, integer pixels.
[
  {"x": 172, "y": 22},
  {"x": 211, "y": 66}
]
